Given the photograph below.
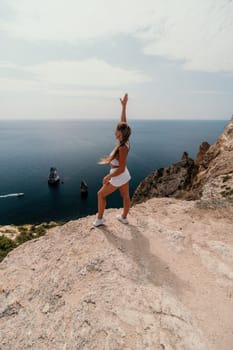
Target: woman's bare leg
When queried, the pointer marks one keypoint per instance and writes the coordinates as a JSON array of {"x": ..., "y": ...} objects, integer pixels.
[
  {"x": 102, "y": 194},
  {"x": 124, "y": 190}
]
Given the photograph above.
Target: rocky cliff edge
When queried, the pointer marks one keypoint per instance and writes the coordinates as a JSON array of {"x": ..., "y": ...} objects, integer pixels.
[
  {"x": 209, "y": 177},
  {"x": 165, "y": 282}
]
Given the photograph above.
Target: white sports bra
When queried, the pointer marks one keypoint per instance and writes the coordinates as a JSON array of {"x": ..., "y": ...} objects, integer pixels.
[{"x": 115, "y": 162}]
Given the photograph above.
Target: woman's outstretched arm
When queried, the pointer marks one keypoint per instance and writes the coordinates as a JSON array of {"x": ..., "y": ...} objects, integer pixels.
[{"x": 123, "y": 112}]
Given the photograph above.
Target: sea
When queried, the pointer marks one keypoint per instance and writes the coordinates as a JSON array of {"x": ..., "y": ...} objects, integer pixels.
[{"x": 29, "y": 148}]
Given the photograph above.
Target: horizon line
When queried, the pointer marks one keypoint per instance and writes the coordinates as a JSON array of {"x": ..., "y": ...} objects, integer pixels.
[{"x": 113, "y": 119}]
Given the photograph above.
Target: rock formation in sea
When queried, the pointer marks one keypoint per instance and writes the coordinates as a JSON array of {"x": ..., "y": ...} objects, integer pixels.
[{"x": 162, "y": 282}]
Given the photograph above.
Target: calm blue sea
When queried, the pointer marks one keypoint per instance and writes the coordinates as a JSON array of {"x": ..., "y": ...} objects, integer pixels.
[{"x": 29, "y": 148}]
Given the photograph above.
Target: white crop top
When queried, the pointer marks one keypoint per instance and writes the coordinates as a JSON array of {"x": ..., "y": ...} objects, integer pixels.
[{"x": 115, "y": 162}]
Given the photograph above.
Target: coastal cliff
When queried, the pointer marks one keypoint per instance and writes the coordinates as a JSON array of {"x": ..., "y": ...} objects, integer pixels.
[
  {"x": 162, "y": 282},
  {"x": 209, "y": 177}
]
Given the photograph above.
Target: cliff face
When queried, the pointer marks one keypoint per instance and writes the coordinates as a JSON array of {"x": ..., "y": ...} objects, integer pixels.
[
  {"x": 209, "y": 177},
  {"x": 214, "y": 180},
  {"x": 174, "y": 181}
]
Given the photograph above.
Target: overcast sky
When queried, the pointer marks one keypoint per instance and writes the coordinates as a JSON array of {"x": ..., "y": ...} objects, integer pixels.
[{"x": 73, "y": 58}]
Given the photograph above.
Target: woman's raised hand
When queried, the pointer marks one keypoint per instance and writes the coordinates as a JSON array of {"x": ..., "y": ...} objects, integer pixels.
[{"x": 124, "y": 100}]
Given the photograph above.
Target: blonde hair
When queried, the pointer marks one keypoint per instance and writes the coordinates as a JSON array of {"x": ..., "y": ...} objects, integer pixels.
[{"x": 125, "y": 130}]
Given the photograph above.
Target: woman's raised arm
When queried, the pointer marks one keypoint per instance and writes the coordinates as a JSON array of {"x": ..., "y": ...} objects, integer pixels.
[{"x": 123, "y": 112}]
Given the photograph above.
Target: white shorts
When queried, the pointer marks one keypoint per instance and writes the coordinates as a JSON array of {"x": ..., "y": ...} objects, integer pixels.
[{"x": 121, "y": 179}]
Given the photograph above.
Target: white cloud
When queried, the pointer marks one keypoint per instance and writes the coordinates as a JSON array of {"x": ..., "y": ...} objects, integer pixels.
[
  {"x": 196, "y": 32},
  {"x": 72, "y": 20},
  {"x": 199, "y": 34},
  {"x": 16, "y": 85},
  {"x": 72, "y": 78},
  {"x": 87, "y": 73}
]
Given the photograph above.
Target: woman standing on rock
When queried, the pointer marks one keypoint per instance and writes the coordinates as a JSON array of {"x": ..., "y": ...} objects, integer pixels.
[{"x": 119, "y": 176}]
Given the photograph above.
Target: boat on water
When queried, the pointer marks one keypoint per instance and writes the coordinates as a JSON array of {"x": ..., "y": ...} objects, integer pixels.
[
  {"x": 83, "y": 188},
  {"x": 54, "y": 178},
  {"x": 20, "y": 194}
]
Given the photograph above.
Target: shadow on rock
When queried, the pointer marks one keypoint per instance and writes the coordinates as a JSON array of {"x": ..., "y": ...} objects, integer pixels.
[{"x": 151, "y": 268}]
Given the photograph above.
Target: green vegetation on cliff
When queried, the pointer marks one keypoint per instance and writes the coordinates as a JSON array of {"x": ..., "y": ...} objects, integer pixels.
[{"x": 26, "y": 233}]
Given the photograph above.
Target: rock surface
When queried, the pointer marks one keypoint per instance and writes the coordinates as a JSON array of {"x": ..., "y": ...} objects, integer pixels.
[
  {"x": 173, "y": 181},
  {"x": 214, "y": 181},
  {"x": 163, "y": 282},
  {"x": 209, "y": 177}
]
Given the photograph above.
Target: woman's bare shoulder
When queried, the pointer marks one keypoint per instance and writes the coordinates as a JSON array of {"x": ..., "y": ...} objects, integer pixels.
[{"x": 123, "y": 149}]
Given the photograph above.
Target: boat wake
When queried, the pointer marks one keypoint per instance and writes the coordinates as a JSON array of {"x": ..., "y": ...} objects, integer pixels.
[{"x": 12, "y": 195}]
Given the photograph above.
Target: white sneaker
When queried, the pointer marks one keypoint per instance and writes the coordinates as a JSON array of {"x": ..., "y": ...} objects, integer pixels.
[
  {"x": 99, "y": 222},
  {"x": 121, "y": 219}
]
